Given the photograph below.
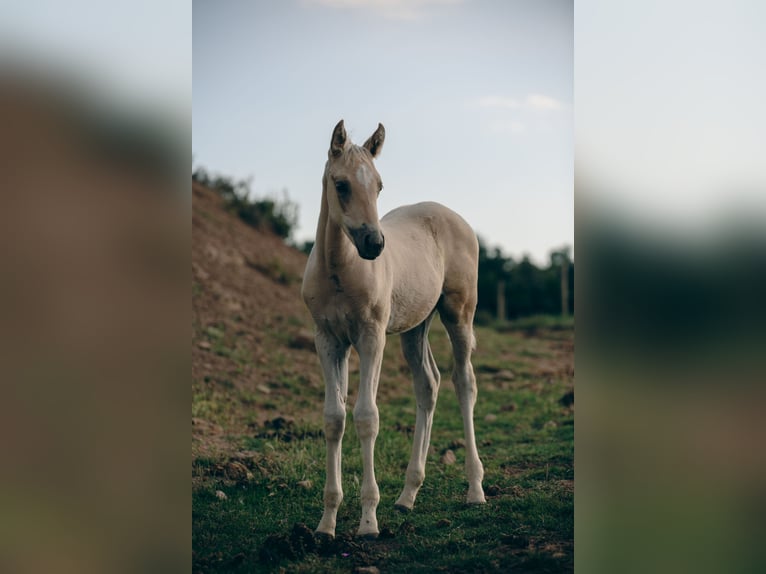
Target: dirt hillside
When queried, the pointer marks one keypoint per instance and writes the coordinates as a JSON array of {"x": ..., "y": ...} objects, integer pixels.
[{"x": 250, "y": 328}]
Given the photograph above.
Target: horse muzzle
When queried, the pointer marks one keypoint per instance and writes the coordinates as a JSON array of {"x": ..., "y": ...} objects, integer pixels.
[{"x": 369, "y": 241}]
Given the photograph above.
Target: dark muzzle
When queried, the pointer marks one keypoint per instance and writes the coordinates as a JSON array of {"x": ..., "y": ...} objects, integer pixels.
[{"x": 369, "y": 241}]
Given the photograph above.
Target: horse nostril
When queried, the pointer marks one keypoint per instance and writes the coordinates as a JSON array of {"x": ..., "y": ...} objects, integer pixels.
[{"x": 374, "y": 242}]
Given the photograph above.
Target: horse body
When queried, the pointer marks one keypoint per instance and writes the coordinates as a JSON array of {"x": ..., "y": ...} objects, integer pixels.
[
  {"x": 366, "y": 278},
  {"x": 434, "y": 251}
]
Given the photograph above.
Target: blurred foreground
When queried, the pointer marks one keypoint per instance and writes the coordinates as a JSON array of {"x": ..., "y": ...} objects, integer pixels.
[
  {"x": 670, "y": 191},
  {"x": 671, "y": 474},
  {"x": 94, "y": 241}
]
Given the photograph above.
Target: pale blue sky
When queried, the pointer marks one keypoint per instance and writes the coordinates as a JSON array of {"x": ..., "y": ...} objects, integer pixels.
[
  {"x": 475, "y": 95},
  {"x": 121, "y": 54},
  {"x": 669, "y": 108}
]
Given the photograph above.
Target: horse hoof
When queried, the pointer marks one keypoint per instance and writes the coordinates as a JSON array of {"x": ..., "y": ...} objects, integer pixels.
[
  {"x": 324, "y": 536},
  {"x": 403, "y": 509},
  {"x": 368, "y": 536}
]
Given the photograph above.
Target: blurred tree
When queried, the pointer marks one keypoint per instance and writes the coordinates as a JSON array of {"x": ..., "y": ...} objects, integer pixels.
[
  {"x": 560, "y": 259},
  {"x": 526, "y": 288}
]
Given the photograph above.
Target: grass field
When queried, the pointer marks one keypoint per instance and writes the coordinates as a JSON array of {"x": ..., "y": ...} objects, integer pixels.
[{"x": 256, "y": 504}]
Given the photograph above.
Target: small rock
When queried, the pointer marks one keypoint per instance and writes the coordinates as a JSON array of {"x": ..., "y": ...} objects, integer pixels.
[
  {"x": 305, "y": 484},
  {"x": 490, "y": 418},
  {"x": 448, "y": 457},
  {"x": 221, "y": 495},
  {"x": 504, "y": 375},
  {"x": 235, "y": 471},
  {"x": 203, "y": 345},
  {"x": 303, "y": 339},
  {"x": 493, "y": 490},
  {"x": 201, "y": 273},
  {"x": 264, "y": 389},
  {"x": 367, "y": 570},
  {"x": 455, "y": 444}
]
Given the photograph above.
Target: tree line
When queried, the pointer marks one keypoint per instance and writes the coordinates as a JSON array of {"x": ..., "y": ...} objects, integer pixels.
[{"x": 522, "y": 287}]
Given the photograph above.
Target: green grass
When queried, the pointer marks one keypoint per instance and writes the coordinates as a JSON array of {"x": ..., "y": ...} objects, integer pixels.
[
  {"x": 528, "y": 454},
  {"x": 530, "y": 324}
]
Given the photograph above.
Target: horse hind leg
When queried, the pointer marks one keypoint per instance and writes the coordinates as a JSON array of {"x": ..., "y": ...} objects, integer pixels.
[
  {"x": 456, "y": 313},
  {"x": 426, "y": 379}
]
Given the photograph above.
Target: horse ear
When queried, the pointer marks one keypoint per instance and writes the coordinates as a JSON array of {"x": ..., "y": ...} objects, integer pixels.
[
  {"x": 338, "y": 141},
  {"x": 375, "y": 143}
]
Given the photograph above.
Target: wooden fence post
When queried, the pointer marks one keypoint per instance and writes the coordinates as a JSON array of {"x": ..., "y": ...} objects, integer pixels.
[
  {"x": 501, "y": 300},
  {"x": 564, "y": 285}
]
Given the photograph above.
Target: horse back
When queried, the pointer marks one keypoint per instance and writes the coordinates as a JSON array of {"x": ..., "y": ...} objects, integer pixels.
[
  {"x": 437, "y": 230},
  {"x": 432, "y": 251}
]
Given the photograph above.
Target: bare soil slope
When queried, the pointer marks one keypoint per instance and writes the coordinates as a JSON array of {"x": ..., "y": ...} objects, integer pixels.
[{"x": 251, "y": 332}]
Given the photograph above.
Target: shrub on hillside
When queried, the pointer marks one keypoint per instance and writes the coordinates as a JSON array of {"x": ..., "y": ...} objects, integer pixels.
[{"x": 279, "y": 216}]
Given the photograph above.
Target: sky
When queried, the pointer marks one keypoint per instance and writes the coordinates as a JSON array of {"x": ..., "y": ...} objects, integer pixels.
[
  {"x": 670, "y": 121},
  {"x": 669, "y": 108},
  {"x": 475, "y": 96},
  {"x": 95, "y": 44}
]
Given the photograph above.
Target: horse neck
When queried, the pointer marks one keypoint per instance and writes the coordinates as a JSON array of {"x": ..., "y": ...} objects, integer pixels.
[{"x": 335, "y": 250}]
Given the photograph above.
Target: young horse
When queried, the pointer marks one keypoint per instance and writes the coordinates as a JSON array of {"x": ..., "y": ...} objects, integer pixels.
[{"x": 365, "y": 278}]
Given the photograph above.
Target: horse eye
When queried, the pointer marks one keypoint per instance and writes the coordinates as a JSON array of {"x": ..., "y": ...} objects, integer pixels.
[{"x": 343, "y": 188}]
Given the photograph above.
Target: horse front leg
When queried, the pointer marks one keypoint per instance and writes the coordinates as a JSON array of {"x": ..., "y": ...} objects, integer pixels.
[
  {"x": 370, "y": 347},
  {"x": 333, "y": 355}
]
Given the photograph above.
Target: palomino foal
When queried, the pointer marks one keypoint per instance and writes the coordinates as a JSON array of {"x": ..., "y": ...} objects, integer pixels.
[{"x": 365, "y": 278}]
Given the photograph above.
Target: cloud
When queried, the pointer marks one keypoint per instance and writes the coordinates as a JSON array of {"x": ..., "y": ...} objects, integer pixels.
[
  {"x": 537, "y": 102},
  {"x": 498, "y": 102},
  {"x": 540, "y": 102},
  {"x": 392, "y": 9}
]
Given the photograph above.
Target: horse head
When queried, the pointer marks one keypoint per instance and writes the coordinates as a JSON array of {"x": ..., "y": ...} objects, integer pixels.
[{"x": 352, "y": 185}]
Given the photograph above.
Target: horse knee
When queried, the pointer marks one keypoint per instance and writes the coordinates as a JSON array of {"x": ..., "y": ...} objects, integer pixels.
[
  {"x": 426, "y": 392},
  {"x": 415, "y": 476},
  {"x": 370, "y": 494},
  {"x": 332, "y": 497},
  {"x": 465, "y": 386},
  {"x": 366, "y": 421},
  {"x": 334, "y": 425}
]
